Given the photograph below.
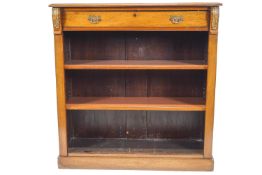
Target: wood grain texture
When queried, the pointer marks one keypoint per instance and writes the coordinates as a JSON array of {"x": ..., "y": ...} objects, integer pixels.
[
  {"x": 166, "y": 45},
  {"x": 194, "y": 19},
  {"x": 60, "y": 85},
  {"x": 136, "y": 45},
  {"x": 95, "y": 45},
  {"x": 137, "y": 64},
  {"x": 97, "y": 124},
  {"x": 136, "y": 103},
  {"x": 175, "y": 125},
  {"x": 122, "y": 5},
  {"x": 210, "y": 97},
  {"x": 137, "y": 83},
  {"x": 143, "y": 163},
  {"x": 136, "y": 124}
]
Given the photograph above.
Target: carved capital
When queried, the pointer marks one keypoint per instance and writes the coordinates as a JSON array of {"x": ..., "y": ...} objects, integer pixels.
[
  {"x": 214, "y": 15},
  {"x": 56, "y": 15}
]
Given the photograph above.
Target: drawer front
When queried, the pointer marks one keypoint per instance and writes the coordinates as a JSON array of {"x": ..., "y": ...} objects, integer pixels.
[{"x": 140, "y": 19}]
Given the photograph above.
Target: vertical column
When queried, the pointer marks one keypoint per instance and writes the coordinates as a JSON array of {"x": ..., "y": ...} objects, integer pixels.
[
  {"x": 211, "y": 81},
  {"x": 60, "y": 80}
]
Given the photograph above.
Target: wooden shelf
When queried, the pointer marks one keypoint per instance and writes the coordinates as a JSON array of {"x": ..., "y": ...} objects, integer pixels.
[
  {"x": 136, "y": 147},
  {"x": 136, "y": 103},
  {"x": 137, "y": 64}
]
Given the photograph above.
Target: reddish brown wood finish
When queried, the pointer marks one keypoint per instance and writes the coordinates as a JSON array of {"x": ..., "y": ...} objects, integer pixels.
[
  {"x": 60, "y": 84},
  {"x": 136, "y": 103},
  {"x": 136, "y": 64},
  {"x": 192, "y": 20},
  {"x": 136, "y": 89},
  {"x": 146, "y": 5}
]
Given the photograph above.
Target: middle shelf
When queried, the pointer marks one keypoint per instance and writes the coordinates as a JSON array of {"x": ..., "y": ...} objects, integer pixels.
[
  {"x": 137, "y": 64},
  {"x": 137, "y": 103}
]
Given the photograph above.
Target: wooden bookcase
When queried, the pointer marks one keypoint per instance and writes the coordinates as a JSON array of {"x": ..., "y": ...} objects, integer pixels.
[{"x": 136, "y": 85}]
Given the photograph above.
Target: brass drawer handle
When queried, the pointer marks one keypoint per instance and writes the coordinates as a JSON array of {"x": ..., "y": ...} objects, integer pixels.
[
  {"x": 94, "y": 19},
  {"x": 176, "y": 19}
]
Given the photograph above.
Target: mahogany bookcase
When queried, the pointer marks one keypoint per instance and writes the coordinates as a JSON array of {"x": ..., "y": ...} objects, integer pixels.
[{"x": 136, "y": 85}]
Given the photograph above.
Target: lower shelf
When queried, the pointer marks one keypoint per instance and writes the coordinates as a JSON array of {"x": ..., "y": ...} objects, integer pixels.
[{"x": 171, "y": 147}]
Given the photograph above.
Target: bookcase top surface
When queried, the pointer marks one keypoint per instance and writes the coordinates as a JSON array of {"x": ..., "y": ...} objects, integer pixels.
[{"x": 103, "y": 5}]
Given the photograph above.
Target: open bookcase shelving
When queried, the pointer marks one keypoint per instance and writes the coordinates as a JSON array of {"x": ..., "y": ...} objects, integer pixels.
[
  {"x": 154, "y": 71},
  {"x": 141, "y": 93}
]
